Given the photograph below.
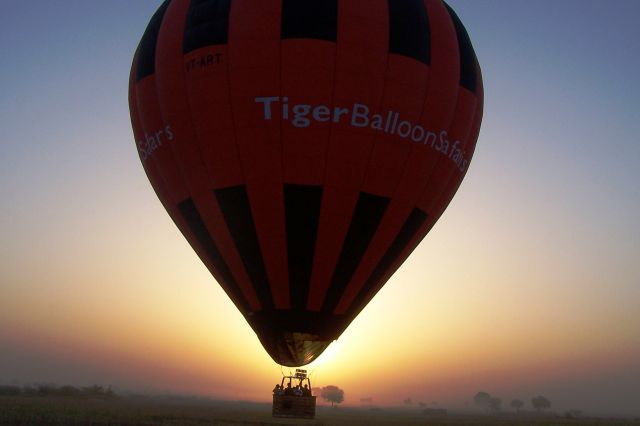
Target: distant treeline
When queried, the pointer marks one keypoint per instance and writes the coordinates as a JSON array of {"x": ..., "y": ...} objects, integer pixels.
[{"x": 91, "y": 392}]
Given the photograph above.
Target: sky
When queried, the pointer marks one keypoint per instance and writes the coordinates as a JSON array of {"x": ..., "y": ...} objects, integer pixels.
[{"x": 528, "y": 285}]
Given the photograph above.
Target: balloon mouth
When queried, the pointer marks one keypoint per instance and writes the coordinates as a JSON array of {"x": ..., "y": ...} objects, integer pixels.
[
  {"x": 296, "y": 338},
  {"x": 294, "y": 349}
]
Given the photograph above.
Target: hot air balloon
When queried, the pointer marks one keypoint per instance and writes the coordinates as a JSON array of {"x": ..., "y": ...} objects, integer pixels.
[{"x": 304, "y": 148}]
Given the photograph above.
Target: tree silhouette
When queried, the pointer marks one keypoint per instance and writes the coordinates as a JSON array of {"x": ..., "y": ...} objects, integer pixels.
[
  {"x": 540, "y": 403},
  {"x": 333, "y": 394},
  {"x": 517, "y": 404},
  {"x": 482, "y": 400},
  {"x": 495, "y": 404}
]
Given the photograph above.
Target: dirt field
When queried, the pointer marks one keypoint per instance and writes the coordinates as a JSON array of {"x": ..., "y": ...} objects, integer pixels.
[{"x": 192, "y": 411}]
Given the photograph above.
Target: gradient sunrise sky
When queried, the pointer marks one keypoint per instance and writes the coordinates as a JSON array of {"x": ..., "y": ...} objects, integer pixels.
[{"x": 529, "y": 284}]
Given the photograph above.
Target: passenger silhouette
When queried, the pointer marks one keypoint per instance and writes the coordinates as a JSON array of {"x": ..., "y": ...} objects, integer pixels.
[{"x": 288, "y": 391}]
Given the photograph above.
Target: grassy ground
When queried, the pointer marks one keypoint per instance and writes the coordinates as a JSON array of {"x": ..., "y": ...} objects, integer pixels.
[{"x": 140, "y": 411}]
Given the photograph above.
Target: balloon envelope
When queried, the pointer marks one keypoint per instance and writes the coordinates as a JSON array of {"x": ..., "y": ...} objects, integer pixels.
[{"x": 304, "y": 148}]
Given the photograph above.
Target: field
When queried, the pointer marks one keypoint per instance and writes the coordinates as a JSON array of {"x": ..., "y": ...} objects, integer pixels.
[{"x": 21, "y": 410}]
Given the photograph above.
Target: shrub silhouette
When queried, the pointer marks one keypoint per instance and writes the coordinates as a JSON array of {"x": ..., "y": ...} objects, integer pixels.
[
  {"x": 10, "y": 390},
  {"x": 495, "y": 404},
  {"x": 540, "y": 403},
  {"x": 517, "y": 404},
  {"x": 68, "y": 391}
]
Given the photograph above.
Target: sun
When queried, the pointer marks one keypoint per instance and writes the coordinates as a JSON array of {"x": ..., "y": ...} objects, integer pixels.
[{"x": 328, "y": 356}]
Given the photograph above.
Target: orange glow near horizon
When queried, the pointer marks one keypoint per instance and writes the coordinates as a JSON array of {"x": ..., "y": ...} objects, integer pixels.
[
  {"x": 437, "y": 330},
  {"x": 424, "y": 339}
]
